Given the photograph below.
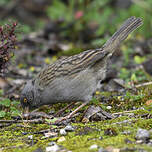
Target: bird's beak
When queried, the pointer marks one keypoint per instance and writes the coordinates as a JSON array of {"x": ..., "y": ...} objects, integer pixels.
[{"x": 26, "y": 110}]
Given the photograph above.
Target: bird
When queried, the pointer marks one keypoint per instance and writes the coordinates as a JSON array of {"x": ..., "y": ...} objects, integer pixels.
[{"x": 74, "y": 78}]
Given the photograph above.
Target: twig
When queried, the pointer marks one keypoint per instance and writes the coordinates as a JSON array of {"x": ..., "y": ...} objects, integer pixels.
[
  {"x": 62, "y": 110},
  {"x": 23, "y": 121},
  {"x": 143, "y": 84},
  {"x": 117, "y": 113},
  {"x": 37, "y": 114}
]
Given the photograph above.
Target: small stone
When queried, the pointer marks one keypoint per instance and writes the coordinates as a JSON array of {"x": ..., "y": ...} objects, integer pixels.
[
  {"x": 22, "y": 72},
  {"x": 30, "y": 137},
  {"x": 24, "y": 133},
  {"x": 69, "y": 128},
  {"x": 100, "y": 138},
  {"x": 50, "y": 134},
  {"x": 18, "y": 81},
  {"x": 150, "y": 140},
  {"x": 116, "y": 150},
  {"x": 149, "y": 144},
  {"x": 101, "y": 149},
  {"x": 52, "y": 143},
  {"x": 139, "y": 141},
  {"x": 108, "y": 107},
  {"x": 141, "y": 108},
  {"x": 150, "y": 131},
  {"x": 63, "y": 132},
  {"x": 142, "y": 134},
  {"x": 93, "y": 147},
  {"x": 134, "y": 108},
  {"x": 53, "y": 148},
  {"x": 61, "y": 139}
]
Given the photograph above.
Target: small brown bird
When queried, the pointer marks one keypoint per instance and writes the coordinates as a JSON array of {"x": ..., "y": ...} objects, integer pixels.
[{"x": 75, "y": 78}]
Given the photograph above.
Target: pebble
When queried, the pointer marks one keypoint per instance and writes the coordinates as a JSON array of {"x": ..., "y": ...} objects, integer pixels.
[
  {"x": 100, "y": 138},
  {"x": 61, "y": 139},
  {"x": 142, "y": 134},
  {"x": 63, "y": 132},
  {"x": 18, "y": 81},
  {"x": 53, "y": 148},
  {"x": 139, "y": 141},
  {"x": 52, "y": 143},
  {"x": 50, "y": 134},
  {"x": 101, "y": 149},
  {"x": 141, "y": 108},
  {"x": 30, "y": 137},
  {"x": 93, "y": 147},
  {"x": 108, "y": 107},
  {"x": 69, "y": 128}
]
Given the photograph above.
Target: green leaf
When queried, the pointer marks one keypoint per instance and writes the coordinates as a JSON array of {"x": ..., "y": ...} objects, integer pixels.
[
  {"x": 139, "y": 59},
  {"x": 5, "y": 102},
  {"x": 15, "y": 103},
  {"x": 133, "y": 77},
  {"x": 57, "y": 10},
  {"x": 15, "y": 113},
  {"x": 2, "y": 114},
  {"x": 1, "y": 92}
]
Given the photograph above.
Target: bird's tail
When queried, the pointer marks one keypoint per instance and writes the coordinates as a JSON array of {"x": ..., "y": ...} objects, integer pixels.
[{"x": 129, "y": 25}]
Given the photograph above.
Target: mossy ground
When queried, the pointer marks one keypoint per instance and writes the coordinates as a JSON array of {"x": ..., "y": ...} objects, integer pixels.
[{"x": 12, "y": 138}]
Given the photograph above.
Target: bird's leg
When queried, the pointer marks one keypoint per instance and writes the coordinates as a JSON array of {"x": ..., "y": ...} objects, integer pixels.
[
  {"x": 62, "y": 110},
  {"x": 72, "y": 113}
]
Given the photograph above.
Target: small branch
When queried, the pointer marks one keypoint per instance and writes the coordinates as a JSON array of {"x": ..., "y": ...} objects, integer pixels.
[
  {"x": 23, "y": 121},
  {"x": 118, "y": 113},
  {"x": 143, "y": 84}
]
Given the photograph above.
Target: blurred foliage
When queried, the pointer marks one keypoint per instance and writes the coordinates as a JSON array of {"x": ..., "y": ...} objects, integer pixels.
[
  {"x": 101, "y": 13},
  {"x": 3, "y": 2},
  {"x": 136, "y": 76}
]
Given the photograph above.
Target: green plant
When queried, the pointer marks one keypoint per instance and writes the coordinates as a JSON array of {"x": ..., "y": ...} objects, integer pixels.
[
  {"x": 83, "y": 13},
  {"x": 4, "y": 2},
  {"x": 133, "y": 97},
  {"x": 139, "y": 59},
  {"x": 8, "y": 108}
]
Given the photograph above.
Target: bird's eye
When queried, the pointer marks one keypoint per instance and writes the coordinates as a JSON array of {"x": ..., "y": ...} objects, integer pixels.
[{"x": 25, "y": 100}]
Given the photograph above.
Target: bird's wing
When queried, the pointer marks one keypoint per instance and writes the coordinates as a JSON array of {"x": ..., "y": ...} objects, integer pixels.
[
  {"x": 69, "y": 66},
  {"x": 74, "y": 64}
]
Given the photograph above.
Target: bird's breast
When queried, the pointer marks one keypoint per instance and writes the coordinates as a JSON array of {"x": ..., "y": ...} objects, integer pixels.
[{"x": 65, "y": 89}]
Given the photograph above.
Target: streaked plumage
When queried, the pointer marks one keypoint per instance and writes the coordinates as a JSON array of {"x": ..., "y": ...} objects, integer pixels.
[{"x": 75, "y": 78}]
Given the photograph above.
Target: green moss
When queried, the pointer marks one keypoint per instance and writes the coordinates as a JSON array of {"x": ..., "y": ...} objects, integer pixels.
[
  {"x": 15, "y": 137},
  {"x": 12, "y": 138},
  {"x": 79, "y": 143}
]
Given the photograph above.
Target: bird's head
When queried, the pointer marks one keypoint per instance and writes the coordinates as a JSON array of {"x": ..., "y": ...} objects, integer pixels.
[{"x": 29, "y": 98}]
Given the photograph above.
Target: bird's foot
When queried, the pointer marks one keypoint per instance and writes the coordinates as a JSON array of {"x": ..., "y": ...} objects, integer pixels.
[
  {"x": 71, "y": 114},
  {"x": 62, "y": 110}
]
